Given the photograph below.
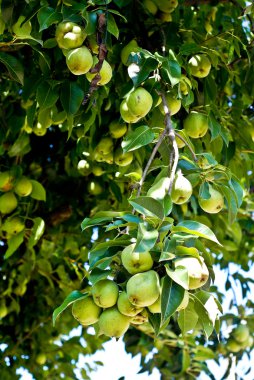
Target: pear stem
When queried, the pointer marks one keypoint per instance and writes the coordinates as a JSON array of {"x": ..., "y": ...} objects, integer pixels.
[{"x": 188, "y": 146}]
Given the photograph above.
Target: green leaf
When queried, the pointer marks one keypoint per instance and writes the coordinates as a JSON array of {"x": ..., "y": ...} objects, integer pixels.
[
  {"x": 154, "y": 320},
  {"x": 171, "y": 297},
  {"x": 238, "y": 190},
  {"x": 142, "y": 71},
  {"x": 37, "y": 232},
  {"x": 188, "y": 318},
  {"x": 46, "y": 96},
  {"x": 13, "y": 66},
  {"x": 230, "y": 196},
  {"x": 146, "y": 239},
  {"x": 148, "y": 206},
  {"x": 110, "y": 243},
  {"x": 13, "y": 243},
  {"x": 70, "y": 299},
  {"x": 99, "y": 274},
  {"x": 20, "y": 147},
  {"x": 204, "y": 353},
  {"x": 195, "y": 228},
  {"x": 204, "y": 317},
  {"x": 141, "y": 136},
  {"x": 38, "y": 192},
  {"x": 48, "y": 16},
  {"x": 179, "y": 275},
  {"x": 71, "y": 97},
  {"x": 103, "y": 256},
  {"x": 187, "y": 251},
  {"x": 112, "y": 26},
  {"x": 172, "y": 71}
]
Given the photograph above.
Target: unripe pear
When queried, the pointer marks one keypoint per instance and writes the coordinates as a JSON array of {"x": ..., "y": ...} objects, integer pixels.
[
  {"x": 199, "y": 65},
  {"x": 112, "y": 323},
  {"x": 23, "y": 187},
  {"x": 185, "y": 85},
  {"x": 117, "y": 129},
  {"x": 105, "y": 146},
  {"x": 105, "y": 73},
  {"x": 84, "y": 167},
  {"x": 123, "y": 159},
  {"x": 70, "y": 35},
  {"x": 139, "y": 102},
  {"x": 8, "y": 203},
  {"x": 173, "y": 104},
  {"x": 6, "y": 181},
  {"x": 86, "y": 311},
  {"x": 241, "y": 333},
  {"x": 105, "y": 293},
  {"x": 197, "y": 270},
  {"x": 131, "y": 47},
  {"x": 24, "y": 30},
  {"x": 97, "y": 171},
  {"x": 3, "y": 309},
  {"x": 143, "y": 289},
  {"x": 127, "y": 116},
  {"x": 167, "y": 6},
  {"x": 184, "y": 302},
  {"x": 233, "y": 346},
  {"x": 41, "y": 358},
  {"x": 181, "y": 190},
  {"x": 79, "y": 61},
  {"x": 156, "y": 306},
  {"x": 196, "y": 124},
  {"x": 126, "y": 307},
  {"x": 214, "y": 204},
  {"x": 94, "y": 188},
  {"x": 136, "y": 262},
  {"x": 166, "y": 17},
  {"x": 140, "y": 318},
  {"x": 150, "y": 6},
  {"x": 13, "y": 226},
  {"x": 109, "y": 158},
  {"x": 39, "y": 129}
]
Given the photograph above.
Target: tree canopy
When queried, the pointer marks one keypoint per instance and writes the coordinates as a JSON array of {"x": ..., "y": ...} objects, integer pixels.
[{"x": 127, "y": 145}]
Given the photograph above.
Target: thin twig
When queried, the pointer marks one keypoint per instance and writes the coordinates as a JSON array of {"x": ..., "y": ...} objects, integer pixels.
[{"x": 188, "y": 146}]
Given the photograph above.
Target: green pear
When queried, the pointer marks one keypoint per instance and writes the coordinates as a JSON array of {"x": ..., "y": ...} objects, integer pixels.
[
  {"x": 131, "y": 47},
  {"x": 3, "y": 309},
  {"x": 105, "y": 73},
  {"x": 156, "y": 306},
  {"x": 117, "y": 129},
  {"x": 23, "y": 30},
  {"x": 94, "y": 188},
  {"x": 8, "y": 203},
  {"x": 109, "y": 158},
  {"x": 125, "y": 307},
  {"x": 127, "y": 116},
  {"x": 105, "y": 146},
  {"x": 13, "y": 226},
  {"x": 199, "y": 65},
  {"x": 86, "y": 311},
  {"x": 241, "y": 333},
  {"x": 97, "y": 171},
  {"x": 123, "y": 159},
  {"x": 69, "y": 35},
  {"x": 150, "y": 6},
  {"x": 180, "y": 143},
  {"x": 139, "y": 102},
  {"x": 166, "y": 17},
  {"x": 196, "y": 124},
  {"x": 159, "y": 189},
  {"x": 79, "y": 61},
  {"x": 143, "y": 289},
  {"x": 166, "y": 6},
  {"x": 84, "y": 167},
  {"x": 136, "y": 262},
  {"x": 181, "y": 190},
  {"x": 140, "y": 318},
  {"x": 105, "y": 293},
  {"x": 39, "y": 129},
  {"x": 41, "y": 358},
  {"x": 112, "y": 323},
  {"x": 173, "y": 104},
  {"x": 233, "y": 346},
  {"x": 214, "y": 204},
  {"x": 197, "y": 270},
  {"x": 184, "y": 302},
  {"x": 6, "y": 181},
  {"x": 185, "y": 85},
  {"x": 23, "y": 187}
]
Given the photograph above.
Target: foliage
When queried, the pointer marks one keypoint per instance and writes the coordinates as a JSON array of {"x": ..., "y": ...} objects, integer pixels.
[{"x": 52, "y": 123}]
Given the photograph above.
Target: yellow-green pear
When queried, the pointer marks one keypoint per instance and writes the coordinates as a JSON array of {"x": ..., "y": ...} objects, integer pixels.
[
  {"x": 109, "y": 158},
  {"x": 143, "y": 289},
  {"x": 136, "y": 262},
  {"x": 13, "y": 225},
  {"x": 156, "y": 306},
  {"x": 150, "y": 6},
  {"x": 199, "y": 65},
  {"x": 3, "y": 309},
  {"x": 139, "y": 102},
  {"x": 6, "y": 181},
  {"x": 105, "y": 293},
  {"x": 97, "y": 170},
  {"x": 86, "y": 311},
  {"x": 8, "y": 203},
  {"x": 241, "y": 333},
  {"x": 131, "y": 47},
  {"x": 69, "y": 35},
  {"x": 173, "y": 104},
  {"x": 84, "y": 167},
  {"x": 233, "y": 346},
  {"x": 166, "y": 17},
  {"x": 121, "y": 158},
  {"x": 167, "y": 6},
  {"x": 196, "y": 124},
  {"x": 126, "y": 307},
  {"x": 105, "y": 146},
  {"x": 79, "y": 61},
  {"x": 181, "y": 190},
  {"x": 185, "y": 85},
  {"x": 23, "y": 187},
  {"x": 41, "y": 358},
  {"x": 105, "y": 73},
  {"x": 197, "y": 270},
  {"x": 112, "y": 323},
  {"x": 214, "y": 204},
  {"x": 39, "y": 129},
  {"x": 117, "y": 129},
  {"x": 127, "y": 116},
  {"x": 94, "y": 188}
]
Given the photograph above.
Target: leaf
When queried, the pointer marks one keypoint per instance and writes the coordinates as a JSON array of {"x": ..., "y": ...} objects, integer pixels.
[
  {"x": 141, "y": 136},
  {"x": 148, "y": 206},
  {"x": 195, "y": 228},
  {"x": 71, "y": 97},
  {"x": 112, "y": 26},
  {"x": 238, "y": 190},
  {"x": 13, "y": 243},
  {"x": 172, "y": 70},
  {"x": 146, "y": 239},
  {"x": 171, "y": 297},
  {"x": 38, "y": 192},
  {"x": 70, "y": 299},
  {"x": 99, "y": 274},
  {"x": 188, "y": 318},
  {"x": 37, "y": 232},
  {"x": 179, "y": 275},
  {"x": 20, "y": 147},
  {"x": 230, "y": 196},
  {"x": 13, "y": 66},
  {"x": 139, "y": 73},
  {"x": 110, "y": 243},
  {"x": 103, "y": 256},
  {"x": 204, "y": 317},
  {"x": 91, "y": 222},
  {"x": 154, "y": 320},
  {"x": 46, "y": 96},
  {"x": 187, "y": 251},
  {"x": 48, "y": 16}
]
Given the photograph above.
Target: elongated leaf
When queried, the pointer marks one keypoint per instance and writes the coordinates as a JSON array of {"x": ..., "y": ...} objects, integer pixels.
[
  {"x": 48, "y": 16},
  {"x": 112, "y": 26},
  {"x": 71, "y": 97},
  {"x": 188, "y": 318},
  {"x": 146, "y": 239},
  {"x": 141, "y": 136},
  {"x": 238, "y": 190},
  {"x": 98, "y": 274},
  {"x": 148, "y": 206},
  {"x": 102, "y": 257},
  {"x": 110, "y": 243},
  {"x": 230, "y": 196},
  {"x": 154, "y": 320},
  {"x": 46, "y": 95},
  {"x": 179, "y": 275},
  {"x": 171, "y": 297},
  {"x": 91, "y": 222},
  {"x": 38, "y": 192},
  {"x": 70, "y": 299},
  {"x": 13, "y": 66},
  {"x": 204, "y": 317},
  {"x": 13, "y": 243},
  {"x": 195, "y": 228},
  {"x": 37, "y": 232}
]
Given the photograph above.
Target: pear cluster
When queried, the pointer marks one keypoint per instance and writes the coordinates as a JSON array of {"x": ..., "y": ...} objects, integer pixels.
[
  {"x": 11, "y": 190},
  {"x": 162, "y": 8},
  {"x": 239, "y": 339},
  {"x": 70, "y": 38}
]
